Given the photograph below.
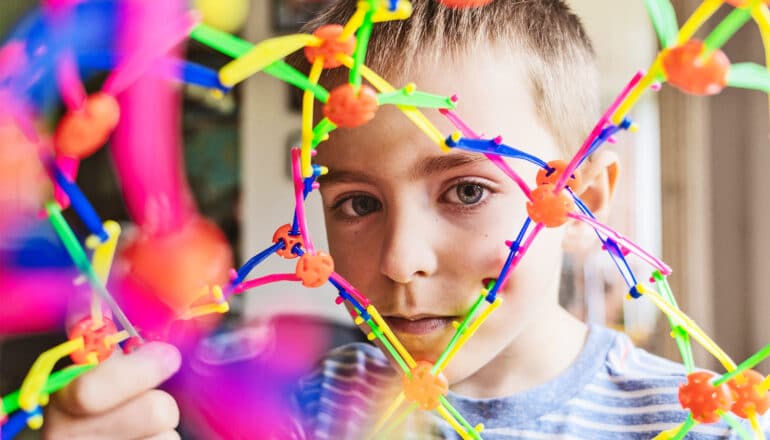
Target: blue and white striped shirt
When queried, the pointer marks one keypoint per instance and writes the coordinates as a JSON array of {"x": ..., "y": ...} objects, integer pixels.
[{"x": 613, "y": 390}]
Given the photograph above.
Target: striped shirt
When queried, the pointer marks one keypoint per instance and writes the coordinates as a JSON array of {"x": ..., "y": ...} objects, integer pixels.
[{"x": 613, "y": 390}]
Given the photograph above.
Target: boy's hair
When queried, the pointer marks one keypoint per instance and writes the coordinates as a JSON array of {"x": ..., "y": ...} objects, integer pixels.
[{"x": 559, "y": 57}]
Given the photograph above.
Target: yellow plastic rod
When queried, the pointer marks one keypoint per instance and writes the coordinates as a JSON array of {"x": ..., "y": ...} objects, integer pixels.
[
  {"x": 355, "y": 22},
  {"x": 647, "y": 80},
  {"x": 392, "y": 408},
  {"x": 696, "y": 20},
  {"x": 32, "y": 387},
  {"x": 391, "y": 337},
  {"x": 101, "y": 261},
  {"x": 262, "y": 55},
  {"x": 469, "y": 332},
  {"x": 308, "y": 98}
]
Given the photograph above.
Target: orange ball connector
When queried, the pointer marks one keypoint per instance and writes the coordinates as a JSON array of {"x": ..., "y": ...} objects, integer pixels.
[
  {"x": 94, "y": 340},
  {"x": 349, "y": 109},
  {"x": 330, "y": 46},
  {"x": 686, "y": 71},
  {"x": 284, "y": 233},
  {"x": 748, "y": 397},
  {"x": 548, "y": 208},
  {"x": 703, "y": 399},
  {"x": 553, "y": 174},
  {"x": 314, "y": 269},
  {"x": 80, "y": 133},
  {"x": 424, "y": 388}
]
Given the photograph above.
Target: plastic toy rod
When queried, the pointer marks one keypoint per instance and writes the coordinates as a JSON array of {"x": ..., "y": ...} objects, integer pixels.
[
  {"x": 471, "y": 330},
  {"x": 398, "y": 421},
  {"x": 467, "y": 431},
  {"x": 450, "y": 348},
  {"x": 55, "y": 382},
  {"x": 390, "y": 336},
  {"x": 81, "y": 262},
  {"x": 355, "y": 22},
  {"x": 101, "y": 260},
  {"x": 736, "y": 426},
  {"x": 678, "y": 432},
  {"x": 262, "y": 55},
  {"x": 33, "y": 385},
  {"x": 680, "y": 335},
  {"x": 308, "y": 98},
  {"x": 691, "y": 327},
  {"x": 727, "y": 28},
  {"x": 704, "y": 11},
  {"x": 623, "y": 241},
  {"x": 391, "y": 409},
  {"x": 416, "y": 116},
  {"x": 749, "y": 363},
  {"x": 362, "y": 41}
]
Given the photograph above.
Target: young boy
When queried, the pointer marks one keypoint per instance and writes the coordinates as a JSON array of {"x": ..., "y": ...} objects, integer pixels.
[{"x": 420, "y": 232}]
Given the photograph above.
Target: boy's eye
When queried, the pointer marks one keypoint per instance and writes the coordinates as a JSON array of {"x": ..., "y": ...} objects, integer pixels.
[
  {"x": 466, "y": 193},
  {"x": 359, "y": 206}
]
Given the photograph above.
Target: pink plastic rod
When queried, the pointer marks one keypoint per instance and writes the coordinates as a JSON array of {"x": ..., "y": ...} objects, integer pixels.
[
  {"x": 562, "y": 182},
  {"x": 623, "y": 241},
  {"x": 351, "y": 290},
  {"x": 522, "y": 250},
  {"x": 261, "y": 281},
  {"x": 70, "y": 87},
  {"x": 299, "y": 200}
]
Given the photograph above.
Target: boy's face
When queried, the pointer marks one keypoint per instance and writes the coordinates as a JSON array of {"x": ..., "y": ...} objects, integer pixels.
[{"x": 420, "y": 232}]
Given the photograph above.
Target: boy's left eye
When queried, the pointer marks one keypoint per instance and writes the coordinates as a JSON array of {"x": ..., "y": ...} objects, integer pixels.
[{"x": 466, "y": 193}]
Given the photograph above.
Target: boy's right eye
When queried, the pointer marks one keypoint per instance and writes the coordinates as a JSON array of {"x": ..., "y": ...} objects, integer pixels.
[{"x": 358, "y": 206}]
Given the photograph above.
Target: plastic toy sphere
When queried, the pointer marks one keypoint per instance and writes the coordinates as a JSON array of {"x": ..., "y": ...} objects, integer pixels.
[
  {"x": 226, "y": 15},
  {"x": 314, "y": 269},
  {"x": 458, "y": 4},
  {"x": 81, "y": 133},
  {"x": 557, "y": 169},
  {"x": 548, "y": 208},
  {"x": 423, "y": 387},
  {"x": 94, "y": 340},
  {"x": 176, "y": 266},
  {"x": 284, "y": 233},
  {"x": 330, "y": 46},
  {"x": 349, "y": 109},
  {"x": 687, "y": 72},
  {"x": 703, "y": 399},
  {"x": 747, "y": 398}
]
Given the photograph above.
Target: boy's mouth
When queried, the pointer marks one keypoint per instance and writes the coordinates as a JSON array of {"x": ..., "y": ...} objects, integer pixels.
[{"x": 418, "y": 325}]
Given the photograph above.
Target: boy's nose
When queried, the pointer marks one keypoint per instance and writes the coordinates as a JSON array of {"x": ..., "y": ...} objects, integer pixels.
[{"x": 408, "y": 249}]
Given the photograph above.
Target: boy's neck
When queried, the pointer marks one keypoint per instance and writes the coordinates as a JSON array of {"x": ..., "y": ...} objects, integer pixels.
[{"x": 539, "y": 354}]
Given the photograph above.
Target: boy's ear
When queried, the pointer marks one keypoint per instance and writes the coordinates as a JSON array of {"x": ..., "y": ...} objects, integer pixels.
[{"x": 599, "y": 180}]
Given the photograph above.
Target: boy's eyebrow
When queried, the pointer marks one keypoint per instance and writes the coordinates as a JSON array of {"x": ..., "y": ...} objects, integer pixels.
[
  {"x": 444, "y": 162},
  {"x": 425, "y": 167}
]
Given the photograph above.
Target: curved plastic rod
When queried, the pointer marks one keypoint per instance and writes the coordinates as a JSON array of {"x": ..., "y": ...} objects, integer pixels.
[
  {"x": 492, "y": 146},
  {"x": 728, "y": 27},
  {"x": 466, "y": 431},
  {"x": 16, "y": 424},
  {"x": 467, "y": 131},
  {"x": 680, "y": 335},
  {"x": 702, "y": 13},
  {"x": 401, "y": 11},
  {"x": 736, "y": 426},
  {"x": 262, "y": 55},
  {"x": 611, "y": 247},
  {"x": 71, "y": 89},
  {"x": 688, "y": 324},
  {"x": 514, "y": 247},
  {"x": 663, "y": 18},
  {"x": 389, "y": 411},
  {"x": 748, "y": 364},
  {"x": 460, "y": 328},
  {"x": 80, "y": 204},
  {"x": 377, "y": 333},
  {"x": 623, "y": 241},
  {"x": 32, "y": 387},
  {"x": 261, "y": 281},
  {"x": 247, "y": 267},
  {"x": 101, "y": 260},
  {"x": 55, "y": 382},
  {"x": 308, "y": 98},
  {"x": 465, "y": 331},
  {"x": 345, "y": 284},
  {"x": 520, "y": 254},
  {"x": 759, "y": 433},
  {"x": 80, "y": 260},
  {"x": 678, "y": 432},
  {"x": 299, "y": 200},
  {"x": 321, "y": 131},
  {"x": 749, "y": 76},
  {"x": 355, "y": 21},
  {"x": 409, "y": 96},
  {"x": 133, "y": 67},
  {"x": 411, "y": 112},
  {"x": 596, "y": 131},
  {"x": 391, "y": 337},
  {"x": 362, "y": 41}
]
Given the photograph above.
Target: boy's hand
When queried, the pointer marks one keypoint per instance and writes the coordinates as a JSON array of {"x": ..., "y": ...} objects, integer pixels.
[{"x": 117, "y": 399}]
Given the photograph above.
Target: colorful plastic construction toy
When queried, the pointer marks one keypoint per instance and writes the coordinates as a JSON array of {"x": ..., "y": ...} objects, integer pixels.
[{"x": 697, "y": 67}]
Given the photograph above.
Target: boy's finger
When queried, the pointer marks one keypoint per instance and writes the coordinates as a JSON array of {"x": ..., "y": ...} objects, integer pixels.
[
  {"x": 145, "y": 416},
  {"x": 119, "y": 378}
]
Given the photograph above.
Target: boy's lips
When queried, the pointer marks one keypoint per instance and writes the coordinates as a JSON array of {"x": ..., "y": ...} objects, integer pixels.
[{"x": 420, "y": 324}]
